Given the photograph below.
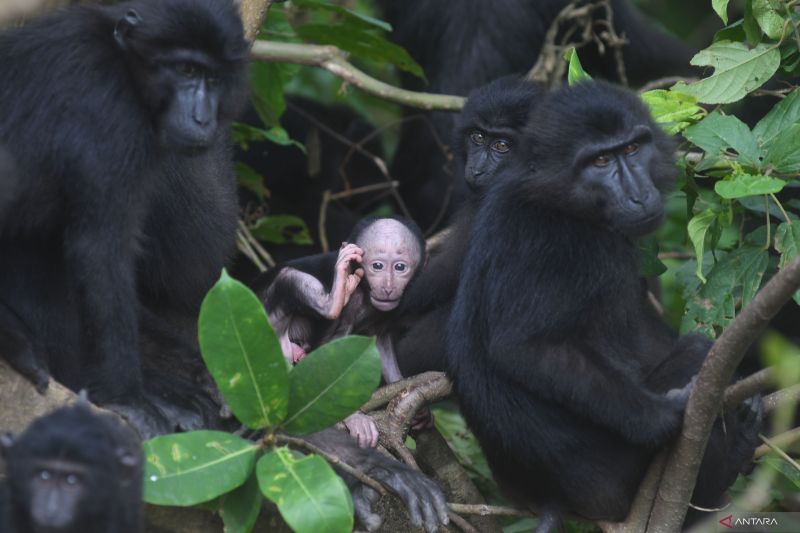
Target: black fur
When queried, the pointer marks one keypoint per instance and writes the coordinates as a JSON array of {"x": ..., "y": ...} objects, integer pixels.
[
  {"x": 464, "y": 44},
  {"x": 125, "y": 193},
  {"x": 110, "y": 500},
  {"x": 560, "y": 366},
  {"x": 500, "y": 106}
]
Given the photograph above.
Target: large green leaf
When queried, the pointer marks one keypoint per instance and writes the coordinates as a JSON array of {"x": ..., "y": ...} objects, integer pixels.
[
  {"x": 737, "y": 275},
  {"x": 190, "y": 468},
  {"x": 353, "y": 18},
  {"x": 362, "y": 44},
  {"x": 241, "y": 507},
  {"x": 768, "y": 15},
  {"x": 650, "y": 265},
  {"x": 721, "y": 9},
  {"x": 282, "y": 229},
  {"x": 308, "y": 493},
  {"x": 720, "y": 135},
  {"x": 787, "y": 242},
  {"x": 784, "y": 114},
  {"x": 698, "y": 228},
  {"x": 575, "y": 72},
  {"x": 742, "y": 185},
  {"x": 737, "y": 71},
  {"x": 268, "y": 79},
  {"x": 331, "y": 382},
  {"x": 243, "y": 354},
  {"x": 783, "y": 153},
  {"x": 673, "y": 110}
]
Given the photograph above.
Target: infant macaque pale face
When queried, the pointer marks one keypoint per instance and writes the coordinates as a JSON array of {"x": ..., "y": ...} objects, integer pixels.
[{"x": 391, "y": 256}]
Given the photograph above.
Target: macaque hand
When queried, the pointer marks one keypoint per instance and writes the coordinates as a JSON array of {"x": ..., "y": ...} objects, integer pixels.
[
  {"x": 344, "y": 282},
  {"x": 363, "y": 429}
]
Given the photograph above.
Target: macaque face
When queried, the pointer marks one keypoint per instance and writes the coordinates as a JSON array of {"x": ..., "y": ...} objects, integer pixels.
[{"x": 392, "y": 256}]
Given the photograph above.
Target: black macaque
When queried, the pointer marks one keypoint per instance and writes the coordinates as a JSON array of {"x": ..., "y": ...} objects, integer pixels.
[
  {"x": 486, "y": 139},
  {"x": 562, "y": 370},
  {"x": 464, "y": 44},
  {"x": 315, "y": 299},
  {"x": 117, "y": 119},
  {"x": 72, "y": 471},
  {"x": 422, "y": 497}
]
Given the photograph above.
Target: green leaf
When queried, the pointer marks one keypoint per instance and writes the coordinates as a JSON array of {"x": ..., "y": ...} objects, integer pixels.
[
  {"x": 282, "y": 229},
  {"x": 768, "y": 17},
  {"x": 698, "y": 228},
  {"x": 724, "y": 135},
  {"x": 362, "y": 44},
  {"x": 267, "y": 81},
  {"x": 650, "y": 266},
  {"x": 783, "y": 153},
  {"x": 190, "y": 468},
  {"x": 244, "y": 133},
  {"x": 240, "y": 508},
  {"x": 310, "y": 496},
  {"x": 674, "y": 111},
  {"x": 721, "y": 9},
  {"x": 358, "y": 20},
  {"x": 575, "y": 72},
  {"x": 738, "y": 274},
  {"x": 737, "y": 71},
  {"x": 750, "y": 25},
  {"x": 747, "y": 185},
  {"x": 787, "y": 242},
  {"x": 332, "y": 382},
  {"x": 243, "y": 354},
  {"x": 784, "y": 114},
  {"x": 788, "y": 471},
  {"x": 251, "y": 180}
]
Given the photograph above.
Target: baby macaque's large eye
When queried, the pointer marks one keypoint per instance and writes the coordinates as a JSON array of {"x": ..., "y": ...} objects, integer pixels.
[{"x": 377, "y": 265}]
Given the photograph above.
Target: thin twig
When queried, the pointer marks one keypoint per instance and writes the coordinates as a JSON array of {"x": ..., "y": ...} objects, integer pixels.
[
  {"x": 748, "y": 387},
  {"x": 782, "y": 440},
  {"x": 333, "y": 459},
  {"x": 262, "y": 252},
  {"x": 488, "y": 510},
  {"x": 243, "y": 246},
  {"x": 334, "y": 60},
  {"x": 772, "y": 446}
]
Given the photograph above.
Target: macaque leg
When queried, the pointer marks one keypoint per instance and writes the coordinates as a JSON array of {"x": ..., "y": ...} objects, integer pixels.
[{"x": 391, "y": 373}]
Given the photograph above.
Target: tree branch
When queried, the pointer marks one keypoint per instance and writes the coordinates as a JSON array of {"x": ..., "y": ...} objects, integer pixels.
[
  {"x": 684, "y": 460},
  {"x": 334, "y": 61}
]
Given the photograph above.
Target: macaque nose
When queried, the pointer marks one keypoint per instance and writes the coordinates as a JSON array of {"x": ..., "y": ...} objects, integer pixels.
[{"x": 387, "y": 291}]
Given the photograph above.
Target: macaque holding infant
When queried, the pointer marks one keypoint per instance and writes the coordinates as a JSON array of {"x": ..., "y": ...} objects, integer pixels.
[{"x": 315, "y": 299}]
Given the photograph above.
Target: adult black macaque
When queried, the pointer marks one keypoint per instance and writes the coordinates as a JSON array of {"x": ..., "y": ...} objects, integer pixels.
[
  {"x": 486, "y": 139},
  {"x": 562, "y": 371},
  {"x": 72, "y": 471},
  {"x": 117, "y": 120},
  {"x": 315, "y": 299},
  {"x": 463, "y": 44}
]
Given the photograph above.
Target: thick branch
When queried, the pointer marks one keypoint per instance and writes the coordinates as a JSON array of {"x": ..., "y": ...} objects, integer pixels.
[
  {"x": 725, "y": 355},
  {"x": 748, "y": 387},
  {"x": 334, "y": 60}
]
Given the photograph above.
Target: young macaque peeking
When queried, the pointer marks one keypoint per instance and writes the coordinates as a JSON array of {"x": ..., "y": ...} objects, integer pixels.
[{"x": 315, "y": 299}]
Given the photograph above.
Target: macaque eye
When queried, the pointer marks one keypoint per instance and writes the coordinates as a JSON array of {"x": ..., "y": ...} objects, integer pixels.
[
  {"x": 187, "y": 70},
  {"x": 400, "y": 267},
  {"x": 601, "y": 160},
  {"x": 476, "y": 137},
  {"x": 377, "y": 266},
  {"x": 631, "y": 149},
  {"x": 72, "y": 479},
  {"x": 501, "y": 146},
  {"x": 44, "y": 475}
]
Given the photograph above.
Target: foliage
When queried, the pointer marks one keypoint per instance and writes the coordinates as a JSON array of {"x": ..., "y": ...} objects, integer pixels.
[{"x": 244, "y": 357}]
